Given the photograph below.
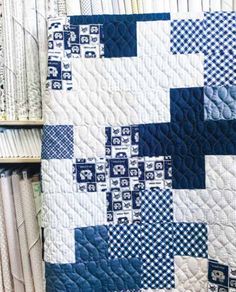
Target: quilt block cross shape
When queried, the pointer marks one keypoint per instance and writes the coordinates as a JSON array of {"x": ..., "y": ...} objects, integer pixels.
[{"x": 188, "y": 138}]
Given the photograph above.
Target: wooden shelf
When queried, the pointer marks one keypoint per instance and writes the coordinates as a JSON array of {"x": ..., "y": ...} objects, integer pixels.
[
  {"x": 20, "y": 160},
  {"x": 22, "y": 123}
]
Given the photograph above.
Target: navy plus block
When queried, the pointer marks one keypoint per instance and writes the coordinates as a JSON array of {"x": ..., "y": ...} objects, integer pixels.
[
  {"x": 188, "y": 138},
  {"x": 91, "y": 243},
  {"x": 120, "y": 39},
  {"x": 102, "y": 276}
]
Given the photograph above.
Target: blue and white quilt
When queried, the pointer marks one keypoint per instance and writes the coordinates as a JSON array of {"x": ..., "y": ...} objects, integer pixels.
[{"x": 139, "y": 153}]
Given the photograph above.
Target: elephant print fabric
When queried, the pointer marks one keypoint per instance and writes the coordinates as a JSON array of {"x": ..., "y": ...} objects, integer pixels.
[{"x": 139, "y": 153}]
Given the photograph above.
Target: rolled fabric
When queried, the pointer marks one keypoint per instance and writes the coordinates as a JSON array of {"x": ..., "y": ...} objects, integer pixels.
[
  {"x": 32, "y": 232},
  {"x": 86, "y": 7},
  {"x": 4, "y": 260},
  {"x": 73, "y": 7},
  {"x": 196, "y": 6},
  {"x": 96, "y": 7},
  {"x": 121, "y": 6},
  {"x": 134, "y": 6},
  {"x": 28, "y": 279},
  {"x": 1, "y": 278},
  {"x": 37, "y": 198},
  {"x": 183, "y": 5},
  {"x": 148, "y": 6},
  {"x": 107, "y": 7},
  {"x": 140, "y": 6},
  {"x": 115, "y": 5},
  {"x": 12, "y": 236},
  {"x": 21, "y": 89},
  {"x": 32, "y": 61},
  {"x": 52, "y": 8},
  {"x": 61, "y": 7},
  {"x": 43, "y": 42},
  {"x": 128, "y": 7},
  {"x": 9, "y": 57},
  {"x": 2, "y": 94}
]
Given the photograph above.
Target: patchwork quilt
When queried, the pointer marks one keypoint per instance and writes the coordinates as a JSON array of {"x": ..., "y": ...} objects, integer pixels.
[{"x": 139, "y": 153}]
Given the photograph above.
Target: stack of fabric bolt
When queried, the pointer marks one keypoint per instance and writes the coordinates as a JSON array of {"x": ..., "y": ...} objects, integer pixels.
[
  {"x": 23, "y": 59},
  {"x": 93, "y": 7},
  {"x": 23, "y": 143},
  {"x": 21, "y": 268}
]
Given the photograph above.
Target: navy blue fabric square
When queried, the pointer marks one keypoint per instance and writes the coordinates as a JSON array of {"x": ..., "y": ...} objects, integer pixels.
[
  {"x": 190, "y": 239},
  {"x": 58, "y": 142},
  {"x": 188, "y": 138},
  {"x": 91, "y": 243},
  {"x": 120, "y": 39},
  {"x": 188, "y": 172},
  {"x": 102, "y": 276}
]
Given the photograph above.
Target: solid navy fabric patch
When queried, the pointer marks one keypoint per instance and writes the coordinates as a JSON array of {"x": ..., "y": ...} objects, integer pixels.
[
  {"x": 58, "y": 142},
  {"x": 120, "y": 39},
  {"x": 102, "y": 276},
  {"x": 91, "y": 243},
  {"x": 188, "y": 138}
]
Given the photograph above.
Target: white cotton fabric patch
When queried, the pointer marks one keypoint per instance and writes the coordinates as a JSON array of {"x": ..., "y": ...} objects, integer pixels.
[
  {"x": 138, "y": 73},
  {"x": 59, "y": 246},
  {"x": 72, "y": 210},
  {"x": 57, "y": 175},
  {"x": 151, "y": 33},
  {"x": 89, "y": 141},
  {"x": 108, "y": 108},
  {"x": 221, "y": 172},
  {"x": 222, "y": 243}
]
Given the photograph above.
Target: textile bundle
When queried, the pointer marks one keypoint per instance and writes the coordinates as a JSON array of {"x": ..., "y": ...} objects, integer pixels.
[
  {"x": 139, "y": 149},
  {"x": 20, "y": 244},
  {"x": 23, "y": 143},
  {"x": 23, "y": 56},
  {"x": 96, "y": 7}
]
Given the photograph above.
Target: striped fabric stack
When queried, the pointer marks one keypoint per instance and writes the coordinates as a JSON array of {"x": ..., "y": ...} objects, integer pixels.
[
  {"x": 20, "y": 242},
  {"x": 23, "y": 143},
  {"x": 93, "y": 7},
  {"x": 23, "y": 58}
]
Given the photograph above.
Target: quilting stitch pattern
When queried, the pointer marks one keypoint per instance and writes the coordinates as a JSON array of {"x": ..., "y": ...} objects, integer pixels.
[{"x": 140, "y": 242}]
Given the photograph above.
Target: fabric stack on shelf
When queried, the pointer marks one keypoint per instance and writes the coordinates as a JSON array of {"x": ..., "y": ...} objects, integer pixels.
[
  {"x": 93, "y": 7},
  {"x": 23, "y": 143},
  {"x": 23, "y": 56},
  {"x": 21, "y": 267}
]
